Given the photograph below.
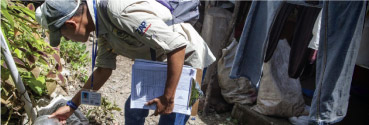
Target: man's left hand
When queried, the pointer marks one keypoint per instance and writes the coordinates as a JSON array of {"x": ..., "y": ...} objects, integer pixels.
[{"x": 164, "y": 105}]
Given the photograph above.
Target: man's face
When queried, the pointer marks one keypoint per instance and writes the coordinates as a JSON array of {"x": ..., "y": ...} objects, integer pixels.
[
  {"x": 78, "y": 28},
  {"x": 75, "y": 32}
]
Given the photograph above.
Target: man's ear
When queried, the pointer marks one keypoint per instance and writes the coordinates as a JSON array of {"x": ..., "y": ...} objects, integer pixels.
[{"x": 70, "y": 24}]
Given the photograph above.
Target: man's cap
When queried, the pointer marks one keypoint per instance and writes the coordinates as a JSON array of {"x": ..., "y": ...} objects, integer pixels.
[{"x": 53, "y": 13}]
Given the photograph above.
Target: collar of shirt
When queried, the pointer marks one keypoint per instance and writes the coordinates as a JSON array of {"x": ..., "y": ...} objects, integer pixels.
[{"x": 90, "y": 7}]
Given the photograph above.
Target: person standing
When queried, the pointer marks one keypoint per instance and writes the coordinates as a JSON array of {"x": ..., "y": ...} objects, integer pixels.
[{"x": 132, "y": 28}]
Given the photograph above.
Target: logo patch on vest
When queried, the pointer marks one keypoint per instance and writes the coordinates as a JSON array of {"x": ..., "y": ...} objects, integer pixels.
[{"x": 143, "y": 28}]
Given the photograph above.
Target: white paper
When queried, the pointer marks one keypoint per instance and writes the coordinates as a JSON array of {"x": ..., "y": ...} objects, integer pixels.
[{"x": 148, "y": 82}]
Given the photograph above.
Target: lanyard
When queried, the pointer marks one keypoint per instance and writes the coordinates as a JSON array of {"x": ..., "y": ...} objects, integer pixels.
[{"x": 94, "y": 44}]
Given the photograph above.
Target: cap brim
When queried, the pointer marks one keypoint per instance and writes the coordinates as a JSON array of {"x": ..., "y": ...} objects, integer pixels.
[{"x": 55, "y": 38}]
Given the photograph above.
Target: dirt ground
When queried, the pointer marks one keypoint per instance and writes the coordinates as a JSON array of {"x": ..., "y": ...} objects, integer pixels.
[{"x": 117, "y": 89}]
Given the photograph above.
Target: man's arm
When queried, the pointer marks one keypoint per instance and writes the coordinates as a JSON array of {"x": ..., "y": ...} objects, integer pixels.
[
  {"x": 174, "y": 71},
  {"x": 165, "y": 103},
  {"x": 101, "y": 75}
]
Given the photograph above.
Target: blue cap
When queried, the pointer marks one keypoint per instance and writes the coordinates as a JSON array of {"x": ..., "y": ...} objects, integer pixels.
[{"x": 53, "y": 13}]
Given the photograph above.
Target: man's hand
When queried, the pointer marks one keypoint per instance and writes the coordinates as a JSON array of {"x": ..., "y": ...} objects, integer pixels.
[
  {"x": 163, "y": 105},
  {"x": 62, "y": 114},
  {"x": 101, "y": 75}
]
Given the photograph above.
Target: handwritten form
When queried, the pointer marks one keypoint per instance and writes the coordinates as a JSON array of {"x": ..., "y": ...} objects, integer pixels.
[{"x": 148, "y": 82}]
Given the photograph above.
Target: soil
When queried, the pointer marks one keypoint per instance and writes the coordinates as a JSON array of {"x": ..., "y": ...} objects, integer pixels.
[{"x": 117, "y": 89}]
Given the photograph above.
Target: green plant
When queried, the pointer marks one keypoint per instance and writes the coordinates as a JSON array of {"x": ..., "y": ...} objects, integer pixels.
[
  {"x": 104, "y": 110},
  {"x": 36, "y": 60},
  {"x": 38, "y": 63},
  {"x": 76, "y": 55}
]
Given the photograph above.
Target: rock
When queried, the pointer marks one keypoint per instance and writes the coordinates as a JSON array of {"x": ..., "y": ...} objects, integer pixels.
[
  {"x": 25, "y": 119},
  {"x": 228, "y": 119},
  {"x": 58, "y": 91},
  {"x": 191, "y": 122},
  {"x": 43, "y": 102},
  {"x": 76, "y": 118},
  {"x": 69, "y": 78},
  {"x": 65, "y": 72},
  {"x": 63, "y": 84},
  {"x": 217, "y": 116},
  {"x": 71, "y": 88},
  {"x": 45, "y": 120},
  {"x": 62, "y": 61}
]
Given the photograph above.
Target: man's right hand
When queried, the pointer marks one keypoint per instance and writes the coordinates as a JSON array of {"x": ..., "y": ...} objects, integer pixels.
[
  {"x": 101, "y": 75},
  {"x": 62, "y": 114}
]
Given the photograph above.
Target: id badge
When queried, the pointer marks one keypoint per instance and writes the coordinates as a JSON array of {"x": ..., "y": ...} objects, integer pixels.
[{"x": 90, "y": 97}]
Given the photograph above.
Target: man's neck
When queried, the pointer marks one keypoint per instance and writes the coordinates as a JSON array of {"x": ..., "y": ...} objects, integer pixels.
[{"x": 91, "y": 26}]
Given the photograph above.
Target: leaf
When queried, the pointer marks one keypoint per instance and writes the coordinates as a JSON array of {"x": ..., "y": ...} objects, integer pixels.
[
  {"x": 50, "y": 86},
  {"x": 56, "y": 49},
  {"x": 18, "y": 61},
  {"x": 18, "y": 53},
  {"x": 37, "y": 85},
  {"x": 22, "y": 69},
  {"x": 4, "y": 66},
  {"x": 24, "y": 28},
  {"x": 31, "y": 59},
  {"x": 16, "y": 32},
  {"x": 36, "y": 71},
  {"x": 51, "y": 74},
  {"x": 89, "y": 112},
  {"x": 41, "y": 79},
  {"x": 57, "y": 58},
  {"x": 4, "y": 74},
  {"x": 85, "y": 78},
  {"x": 83, "y": 47},
  {"x": 26, "y": 19},
  {"x": 116, "y": 108},
  {"x": 60, "y": 76},
  {"x": 22, "y": 49},
  {"x": 6, "y": 93},
  {"x": 4, "y": 4},
  {"x": 7, "y": 16},
  {"x": 42, "y": 53},
  {"x": 10, "y": 82},
  {"x": 44, "y": 61},
  {"x": 75, "y": 65},
  {"x": 26, "y": 11},
  {"x": 31, "y": 7},
  {"x": 27, "y": 75},
  {"x": 4, "y": 30},
  {"x": 59, "y": 65},
  {"x": 31, "y": 47},
  {"x": 83, "y": 57}
]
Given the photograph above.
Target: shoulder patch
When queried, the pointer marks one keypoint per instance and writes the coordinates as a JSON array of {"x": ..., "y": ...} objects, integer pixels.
[{"x": 142, "y": 28}]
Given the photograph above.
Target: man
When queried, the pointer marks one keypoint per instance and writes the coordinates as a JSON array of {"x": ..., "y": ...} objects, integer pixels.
[{"x": 132, "y": 28}]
